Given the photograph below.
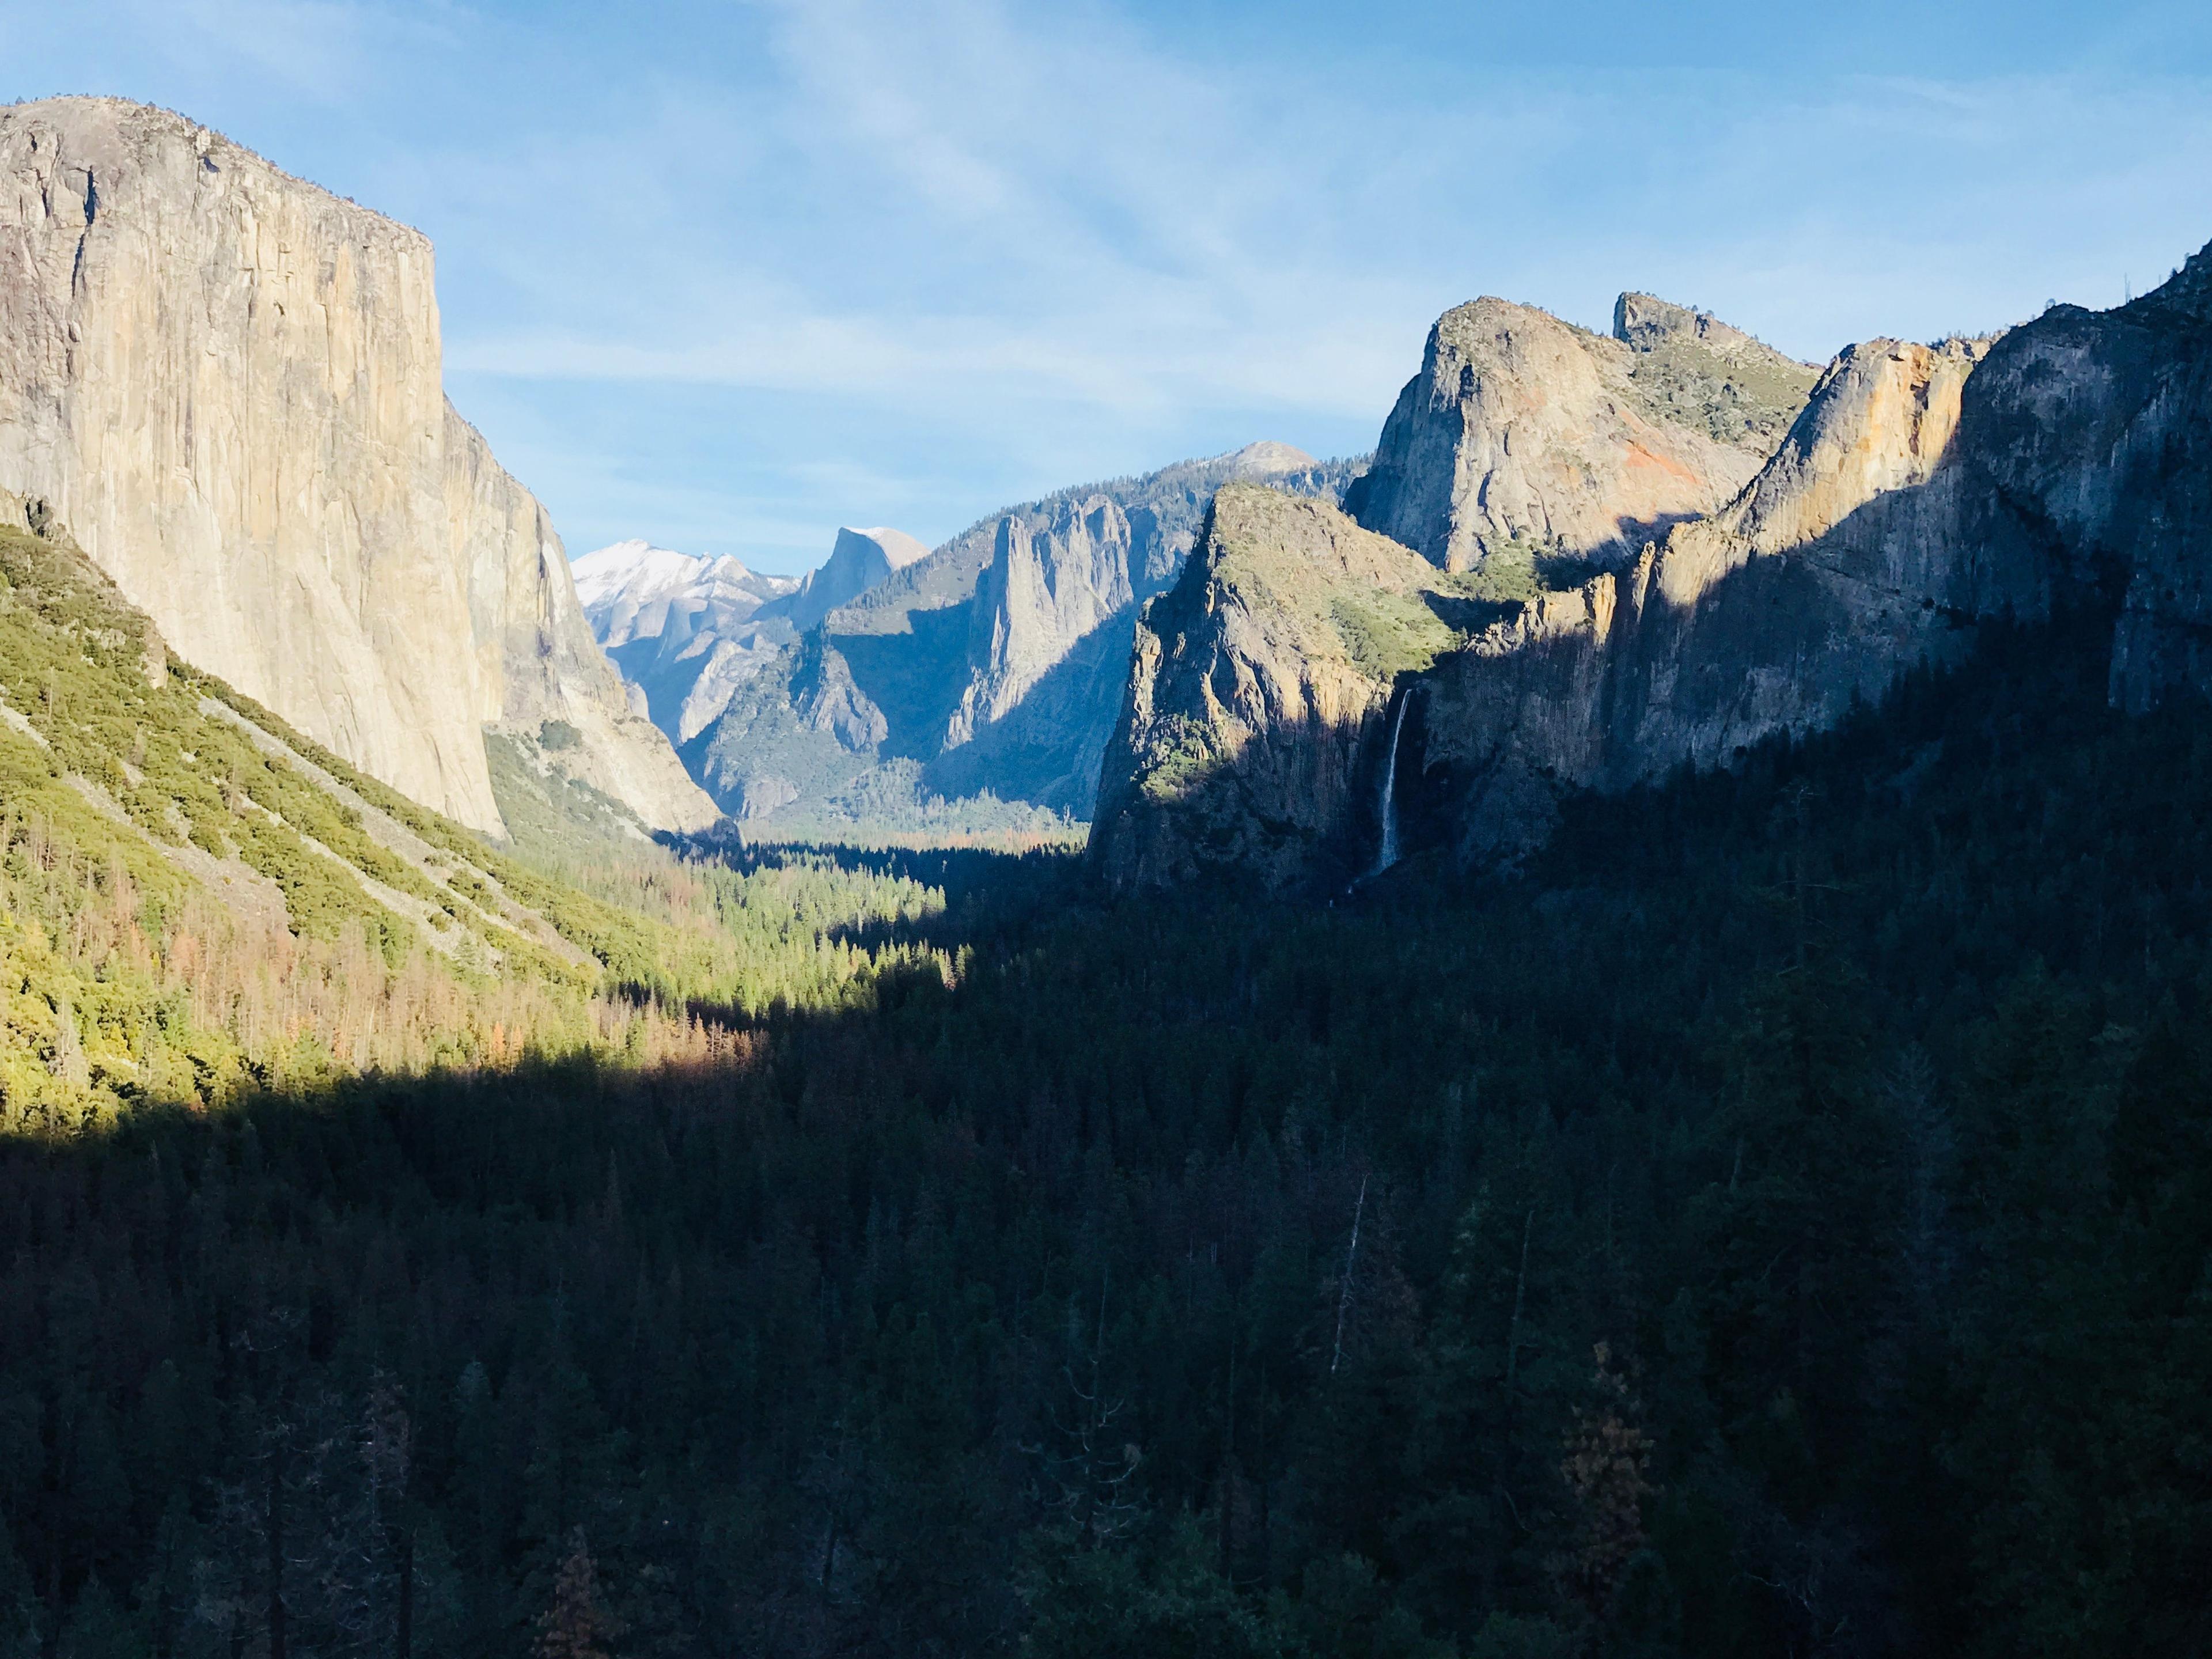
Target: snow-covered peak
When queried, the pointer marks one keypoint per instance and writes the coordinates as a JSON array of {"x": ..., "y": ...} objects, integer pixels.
[
  {"x": 639, "y": 569},
  {"x": 634, "y": 588}
]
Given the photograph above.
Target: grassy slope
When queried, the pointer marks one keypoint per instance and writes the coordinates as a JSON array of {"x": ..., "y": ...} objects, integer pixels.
[
  {"x": 1747, "y": 398},
  {"x": 195, "y": 899}
]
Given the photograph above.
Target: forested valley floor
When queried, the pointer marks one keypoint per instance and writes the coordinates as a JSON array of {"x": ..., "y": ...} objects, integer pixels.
[{"x": 1776, "y": 1223}]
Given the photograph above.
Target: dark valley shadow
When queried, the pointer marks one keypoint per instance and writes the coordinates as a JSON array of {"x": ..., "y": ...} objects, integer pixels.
[{"x": 1173, "y": 1253}]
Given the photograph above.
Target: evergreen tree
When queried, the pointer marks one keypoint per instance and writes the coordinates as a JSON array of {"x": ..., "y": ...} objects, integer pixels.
[{"x": 575, "y": 1626}]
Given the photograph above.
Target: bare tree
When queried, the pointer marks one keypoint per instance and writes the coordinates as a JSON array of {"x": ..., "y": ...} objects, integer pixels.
[{"x": 1094, "y": 1473}]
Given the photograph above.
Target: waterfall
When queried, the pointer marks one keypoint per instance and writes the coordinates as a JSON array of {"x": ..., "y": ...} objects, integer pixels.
[{"x": 1388, "y": 854}]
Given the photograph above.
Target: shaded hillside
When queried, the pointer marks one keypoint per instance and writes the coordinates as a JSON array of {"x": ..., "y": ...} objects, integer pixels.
[{"x": 1776, "y": 1225}]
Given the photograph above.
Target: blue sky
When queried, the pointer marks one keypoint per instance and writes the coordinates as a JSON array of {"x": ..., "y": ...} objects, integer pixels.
[{"x": 728, "y": 276}]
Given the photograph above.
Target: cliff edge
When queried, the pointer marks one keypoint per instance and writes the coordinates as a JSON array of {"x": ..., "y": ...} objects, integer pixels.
[{"x": 228, "y": 384}]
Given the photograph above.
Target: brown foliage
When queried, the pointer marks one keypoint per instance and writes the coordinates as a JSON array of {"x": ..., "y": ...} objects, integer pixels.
[
  {"x": 576, "y": 1625},
  {"x": 1606, "y": 1454}
]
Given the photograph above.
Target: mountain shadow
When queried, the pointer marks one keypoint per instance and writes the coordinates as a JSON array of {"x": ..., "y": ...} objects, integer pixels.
[{"x": 1681, "y": 1247}]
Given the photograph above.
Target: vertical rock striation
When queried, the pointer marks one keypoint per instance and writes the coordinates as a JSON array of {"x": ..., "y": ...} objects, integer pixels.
[
  {"x": 1048, "y": 584},
  {"x": 227, "y": 383},
  {"x": 538, "y": 665}
]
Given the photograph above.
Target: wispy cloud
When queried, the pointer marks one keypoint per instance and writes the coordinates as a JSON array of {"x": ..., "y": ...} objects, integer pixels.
[{"x": 727, "y": 274}]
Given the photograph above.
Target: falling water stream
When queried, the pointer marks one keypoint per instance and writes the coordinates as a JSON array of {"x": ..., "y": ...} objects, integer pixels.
[{"x": 1388, "y": 854}]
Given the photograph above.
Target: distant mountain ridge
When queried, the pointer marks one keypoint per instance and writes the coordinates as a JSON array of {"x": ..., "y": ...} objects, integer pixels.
[
  {"x": 988, "y": 672},
  {"x": 686, "y": 630},
  {"x": 682, "y": 629}
]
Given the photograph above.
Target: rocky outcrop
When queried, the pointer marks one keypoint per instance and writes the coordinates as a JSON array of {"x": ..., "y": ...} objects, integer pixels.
[
  {"x": 539, "y": 669},
  {"x": 1258, "y": 688},
  {"x": 1048, "y": 584},
  {"x": 2091, "y": 435},
  {"x": 1838, "y": 568},
  {"x": 1524, "y": 432},
  {"x": 1924, "y": 491},
  {"x": 227, "y": 383},
  {"x": 860, "y": 560}
]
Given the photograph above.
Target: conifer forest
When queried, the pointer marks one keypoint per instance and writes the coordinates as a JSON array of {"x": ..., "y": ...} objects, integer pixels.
[{"x": 1775, "y": 1221}]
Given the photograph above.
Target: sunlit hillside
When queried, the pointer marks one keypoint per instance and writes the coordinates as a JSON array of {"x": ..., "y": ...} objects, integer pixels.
[{"x": 199, "y": 901}]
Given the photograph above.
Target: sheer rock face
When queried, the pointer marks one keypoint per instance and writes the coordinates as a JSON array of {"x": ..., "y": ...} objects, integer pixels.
[
  {"x": 859, "y": 561},
  {"x": 1047, "y": 586},
  {"x": 536, "y": 658},
  {"x": 227, "y": 383},
  {"x": 2092, "y": 438},
  {"x": 1833, "y": 572},
  {"x": 1521, "y": 429},
  {"x": 1258, "y": 687},
  {"x": 1923, "y": 491}
]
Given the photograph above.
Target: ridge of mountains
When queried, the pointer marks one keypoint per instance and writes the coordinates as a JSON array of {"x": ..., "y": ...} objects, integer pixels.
[
  {"x": 1293, "y": 707},
  {"x": 1635, "y": 551},
  {"x": 227, "y": 383},
  {"x": 971, "y": 687},
  {"x": 685, "y": 631},
  {"x": 946, "y": 692}
]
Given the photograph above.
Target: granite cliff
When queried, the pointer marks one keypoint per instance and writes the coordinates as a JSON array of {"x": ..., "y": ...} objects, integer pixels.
[
  {"x": 227, "y": 383},
  {"x": 859, "y": 561},
  {"x": 1525, "y": 433},
  {"x": 1922, "y": 491},
  {"x": 1258, "y": 688},
  {"x": 1840, "y": 566}
]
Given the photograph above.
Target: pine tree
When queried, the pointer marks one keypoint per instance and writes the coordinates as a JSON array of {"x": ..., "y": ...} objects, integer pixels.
[
  {"x": 1606, "y": 1457},
  {"x": 575, "y": 1626}
]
